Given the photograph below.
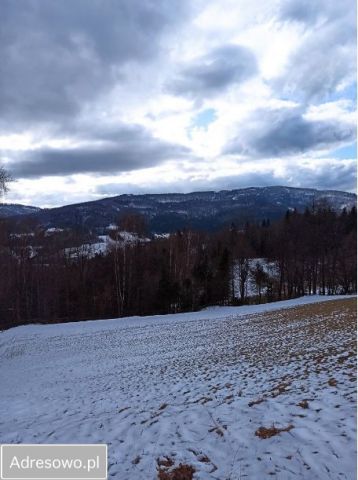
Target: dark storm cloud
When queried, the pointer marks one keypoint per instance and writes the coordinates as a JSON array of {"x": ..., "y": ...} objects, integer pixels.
[
  {"x": 326, "y": 57},
  {"x": 276, "y": 133},
  {"x": 214, "y": 72},
  {"x": 58, "y": 55},
  {"x": 114, "y": 151},
  {"x": 342, "y": 176}
]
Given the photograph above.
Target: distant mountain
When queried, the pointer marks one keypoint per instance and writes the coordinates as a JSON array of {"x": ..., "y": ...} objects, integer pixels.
[
  {"x": 12, "y": 209},
  {"x": 199, "y": 210}
]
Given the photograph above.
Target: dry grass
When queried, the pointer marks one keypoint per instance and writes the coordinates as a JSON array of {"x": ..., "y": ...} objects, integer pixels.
[
  {"x": 203, "y": 400},
  {"x": 256, "y": 402},
  {"x": 165, "y": 462},
  {"x": 182, "y": 472},
  {"x": 314, "y": 324},
  {"x": 324, "y": 309},
  {"x": 303, "y": 404},
  {"x": 279, "y": 389},
  {"x": 264, "y": 432},
  {"x": 203, "y": 458},
  {"x": 320, "y": 337},
  {"x": 332, "y": 382},
  {"x": 216, "y": 430}
]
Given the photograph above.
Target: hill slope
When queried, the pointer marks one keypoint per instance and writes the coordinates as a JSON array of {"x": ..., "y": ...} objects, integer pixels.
[
  {"x": 203, "y": 389},
  {"x": 199, "y": 210},
  {"x": 12, "y": 209}
]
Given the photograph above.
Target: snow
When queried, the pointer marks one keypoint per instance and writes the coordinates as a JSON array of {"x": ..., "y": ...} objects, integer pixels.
[
  {"x": 105, "y": 243},
  {"x": 52, "y": 230},
  {"x": 22, "y": 235},
  {"x": 161, "y": 235},
  {"x": 112, "y": 226},
  {"x": 88, "y": 250},
  {"x": 180, "y": 386},
  {"x": 127, "y": 237}
]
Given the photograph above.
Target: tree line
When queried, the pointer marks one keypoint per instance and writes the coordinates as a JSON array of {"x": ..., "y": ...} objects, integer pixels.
[{"x": 55, "y": 276}]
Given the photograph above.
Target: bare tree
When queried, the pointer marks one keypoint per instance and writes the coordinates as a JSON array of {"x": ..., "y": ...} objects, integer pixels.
[{"x": 5, "y": 179}]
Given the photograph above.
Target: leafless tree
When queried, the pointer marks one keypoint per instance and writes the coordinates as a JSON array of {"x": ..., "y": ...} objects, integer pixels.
[{"x": 5, "y": 179}]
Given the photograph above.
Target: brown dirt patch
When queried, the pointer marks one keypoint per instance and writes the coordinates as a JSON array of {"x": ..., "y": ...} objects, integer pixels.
[
  {"x": 264, "y": 432},
  {"x": 182, "y": 472}
]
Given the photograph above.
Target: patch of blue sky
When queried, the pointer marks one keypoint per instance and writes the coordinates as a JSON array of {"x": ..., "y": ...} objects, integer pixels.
[
  {"x": 349, "y": 93},
  {"x": 204, "y": 118},
  {"x": 346, "y": 152}
]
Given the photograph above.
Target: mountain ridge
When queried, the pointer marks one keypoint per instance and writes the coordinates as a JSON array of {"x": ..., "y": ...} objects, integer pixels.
[
  {"x": 207, "y": 210},
  {"x": 17, "y": 209}
]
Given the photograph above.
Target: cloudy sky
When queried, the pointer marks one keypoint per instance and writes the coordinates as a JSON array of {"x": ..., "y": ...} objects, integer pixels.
[{"x": 103, "y": 97}]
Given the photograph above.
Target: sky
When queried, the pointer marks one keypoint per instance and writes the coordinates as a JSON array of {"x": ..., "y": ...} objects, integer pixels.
[{"x": 105, "y": 97}]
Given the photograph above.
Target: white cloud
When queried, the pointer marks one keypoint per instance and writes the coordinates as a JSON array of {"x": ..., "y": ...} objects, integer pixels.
[{"x": 296, "y": 60}]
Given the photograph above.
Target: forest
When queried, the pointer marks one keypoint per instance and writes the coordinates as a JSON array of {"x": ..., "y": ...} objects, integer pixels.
[{"x": 50, "y": 277}]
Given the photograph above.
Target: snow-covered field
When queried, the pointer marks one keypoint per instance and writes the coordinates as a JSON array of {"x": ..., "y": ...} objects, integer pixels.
[{"x": 193, "y": 389}]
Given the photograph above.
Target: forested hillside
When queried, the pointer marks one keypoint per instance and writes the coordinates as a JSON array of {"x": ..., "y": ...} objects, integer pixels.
[
  {"x": 205, "y": 211},
  {"x": 51, "y": 276}
]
